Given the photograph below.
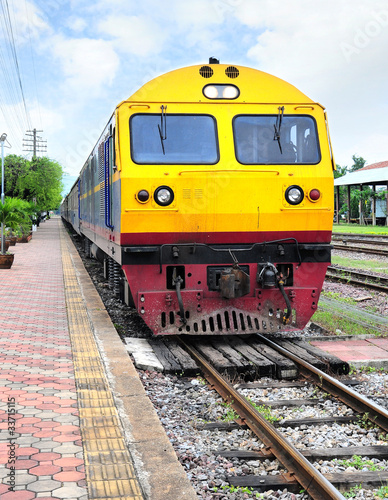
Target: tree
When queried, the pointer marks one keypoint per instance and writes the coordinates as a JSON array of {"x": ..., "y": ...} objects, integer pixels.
[
  {"x": 358, "y": 162},
  {"x": 38, "y": 181},
  {"x": 341, "y": 171},
  {"x": 14, "y": 213},
  {"x": 355, "y": 194},
  {"x": 15, "y": 169}
]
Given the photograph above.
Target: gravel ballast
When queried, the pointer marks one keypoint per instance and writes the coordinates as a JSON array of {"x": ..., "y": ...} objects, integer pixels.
[{"x": 184, "y": 405}]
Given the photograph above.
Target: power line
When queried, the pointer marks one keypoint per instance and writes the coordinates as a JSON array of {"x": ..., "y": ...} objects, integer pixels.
[
  {"x": 13, "y": 103},
  {"x": 33, "y": 61},
  {"x": 16, "y": 62}
]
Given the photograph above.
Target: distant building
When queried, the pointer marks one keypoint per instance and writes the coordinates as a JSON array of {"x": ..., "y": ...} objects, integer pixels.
[{"x": 375, "y": 175}]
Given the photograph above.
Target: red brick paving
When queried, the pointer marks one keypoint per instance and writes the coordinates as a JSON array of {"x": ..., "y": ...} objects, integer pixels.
[
  {"x": 36, "y": 360},
  {"x": 356, "y": 351}
]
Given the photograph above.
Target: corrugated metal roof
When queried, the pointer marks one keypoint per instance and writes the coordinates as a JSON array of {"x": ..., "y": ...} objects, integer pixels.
[
  {"x": 364, "y": 176},
  {"x": 380, "y": 164}
]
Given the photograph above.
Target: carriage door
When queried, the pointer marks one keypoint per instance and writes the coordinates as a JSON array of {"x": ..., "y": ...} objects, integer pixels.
[
  {"x": 79, "y": 203},
  {"x": 106, "y": 152}
]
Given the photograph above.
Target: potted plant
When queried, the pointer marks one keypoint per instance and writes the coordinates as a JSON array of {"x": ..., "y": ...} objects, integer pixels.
[
  {"x": 12, "y": 215},
  {"x": 10, "y": 236}
]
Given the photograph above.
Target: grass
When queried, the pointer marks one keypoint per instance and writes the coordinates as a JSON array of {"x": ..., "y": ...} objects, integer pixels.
[
  {"x": 352, "y": 493},
  {"x": 238, "y": 489},
  {"x": 333, "y": 320},
  {"x": 382, "y": 492},
  {"x": 230, "y": 415},
  {"x": 359, "y": 463},
  {"x": 367, "y": 265},
  {"x": 265, "y": 411},
  {"x": 357, "y": 229},
  {"x": 337, "y": 296}
]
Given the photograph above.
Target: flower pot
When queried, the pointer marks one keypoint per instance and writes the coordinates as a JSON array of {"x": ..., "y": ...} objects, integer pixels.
[
  {"x": 12, "y": 241},
  {"x": 6, "y": 260},
  {"x": 24, "y": 238},
  {"x": 7, "y": 243}
]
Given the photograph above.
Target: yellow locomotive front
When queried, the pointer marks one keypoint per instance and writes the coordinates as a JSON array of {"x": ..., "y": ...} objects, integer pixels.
[{"x": 226, "y": 201}]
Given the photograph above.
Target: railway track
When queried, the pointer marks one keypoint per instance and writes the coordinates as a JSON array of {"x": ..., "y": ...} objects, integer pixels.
[
  {"x": 374, "y": 251},
  {"x": 363, "y": 241},
  {"x": 358, "y": 278},
  {"x": 300, "y": 472},
  {"x": 360, "y": 237}
]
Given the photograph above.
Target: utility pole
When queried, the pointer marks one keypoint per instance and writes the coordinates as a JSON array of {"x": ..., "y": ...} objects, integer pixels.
[
  {"x": 2, "y": 139},
  {"x": 35, "y": 142}
]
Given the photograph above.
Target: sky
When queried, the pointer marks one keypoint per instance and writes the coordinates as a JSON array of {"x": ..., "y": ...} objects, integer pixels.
[{"x": 66, "y": 64}]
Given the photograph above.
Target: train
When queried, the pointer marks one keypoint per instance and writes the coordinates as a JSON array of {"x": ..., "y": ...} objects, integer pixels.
[{"x": 209, "y": 198}]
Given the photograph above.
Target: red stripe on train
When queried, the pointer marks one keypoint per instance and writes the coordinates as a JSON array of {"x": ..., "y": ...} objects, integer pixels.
[{"x": 223, "y": 237}]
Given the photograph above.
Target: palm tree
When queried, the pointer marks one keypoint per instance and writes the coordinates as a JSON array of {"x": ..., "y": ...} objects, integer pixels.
[{"x": 13, "y": 215}]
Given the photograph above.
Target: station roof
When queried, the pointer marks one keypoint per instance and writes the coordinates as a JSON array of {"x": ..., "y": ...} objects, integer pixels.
[{"x": 376, "y": 173}]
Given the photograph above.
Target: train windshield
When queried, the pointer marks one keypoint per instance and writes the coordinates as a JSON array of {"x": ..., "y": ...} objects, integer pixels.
[
  {"x": 173, "y": 139},
  {"x": 276, "y": 139}
]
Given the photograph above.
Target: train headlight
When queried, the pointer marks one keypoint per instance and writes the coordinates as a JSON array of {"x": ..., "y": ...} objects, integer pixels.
[
  {"x": 294, "y": 195},
  {"x": 164, "y": 196},
  {"x": 221, "y": 91}
]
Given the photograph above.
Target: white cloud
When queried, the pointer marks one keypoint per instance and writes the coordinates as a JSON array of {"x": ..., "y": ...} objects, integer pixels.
[
  {"x": 87, "y": 64},
  {"x": 27, "y": 21},
  {"x": 77, "y": 24},
  {"x": 335, "y": 53},
  {"x": 94, "y": 53},
  {"x": 135, "y": 35}
]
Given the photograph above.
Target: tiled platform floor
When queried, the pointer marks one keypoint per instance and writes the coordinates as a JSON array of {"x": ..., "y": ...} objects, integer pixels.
[
  {"x": 39, "y": 429},
  {"x": 364, "y": 352},
  {"x": 74, "y": 415}
]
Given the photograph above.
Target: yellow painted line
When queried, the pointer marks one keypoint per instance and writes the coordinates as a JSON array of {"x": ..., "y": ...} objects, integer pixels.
[{"x": 110, "y": 474}]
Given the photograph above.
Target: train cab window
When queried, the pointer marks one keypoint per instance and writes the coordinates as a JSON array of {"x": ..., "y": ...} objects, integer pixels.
[
  {"x": 259, "y": 139},
  {"x": 173, "y": 139}
]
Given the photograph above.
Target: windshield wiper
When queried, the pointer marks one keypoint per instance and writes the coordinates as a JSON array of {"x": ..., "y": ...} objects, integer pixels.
[
  {"x": 163, "y": 127},
  {"x": 277, "y": 126}
]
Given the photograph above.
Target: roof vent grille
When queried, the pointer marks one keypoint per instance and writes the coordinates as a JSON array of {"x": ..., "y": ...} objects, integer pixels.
[
  {"x": 232, "y": 72},
  {"x": 206, "y": 72}
]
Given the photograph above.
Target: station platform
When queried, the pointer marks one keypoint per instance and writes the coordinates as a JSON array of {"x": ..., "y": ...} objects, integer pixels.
[
  {"x": 75, "y": 421},
  {"x": 358, "y": 352}
]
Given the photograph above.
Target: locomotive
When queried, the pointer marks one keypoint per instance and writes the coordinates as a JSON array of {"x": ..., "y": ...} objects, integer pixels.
[{"x": 209, "y": 196}]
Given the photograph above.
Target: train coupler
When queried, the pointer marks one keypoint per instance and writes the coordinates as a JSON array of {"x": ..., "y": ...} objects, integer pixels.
[{"x": 234, "y": 282}]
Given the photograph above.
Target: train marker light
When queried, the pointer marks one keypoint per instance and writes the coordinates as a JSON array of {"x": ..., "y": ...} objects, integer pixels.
[
  {"x": 314, "y": 195},
  {"x": 164, "y": 196},
  {"x": 143, "y": 196},
  {"x": 294, "y": 195}
]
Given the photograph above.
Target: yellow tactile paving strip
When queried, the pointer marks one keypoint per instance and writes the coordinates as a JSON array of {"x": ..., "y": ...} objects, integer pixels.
[{"x": 109, "y": 470}]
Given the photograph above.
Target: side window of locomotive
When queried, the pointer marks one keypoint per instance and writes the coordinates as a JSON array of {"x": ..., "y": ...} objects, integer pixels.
[
  {"x": 174, "y": 139},
  {"x": 259, "y": 139}
]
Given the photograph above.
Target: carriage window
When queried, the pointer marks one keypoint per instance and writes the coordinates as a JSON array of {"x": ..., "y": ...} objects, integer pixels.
[
  {"x": 173, "y": 139},
  {"x": 258, "y": 139}
]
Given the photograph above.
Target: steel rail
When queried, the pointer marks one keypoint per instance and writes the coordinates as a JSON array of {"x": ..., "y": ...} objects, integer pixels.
[
  {"x": 360, "y": 249},
  {"x": 372, "y": 411},
  {"x": 349, "y": 276},
  {"x": 360, "y": 240},
  {"x": 299, "y": 468},
  {"x": 357, "y": 235}
]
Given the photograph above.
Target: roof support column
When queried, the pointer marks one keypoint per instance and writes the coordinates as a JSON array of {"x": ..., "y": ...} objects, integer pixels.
[
  {"x": 337, "y": 205},
  {"x": 348, "y": 199},
  {"x": 386, "y": 197},
  {"x": 360, "y": 206},
  {"x": 374, "y": 205}
]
